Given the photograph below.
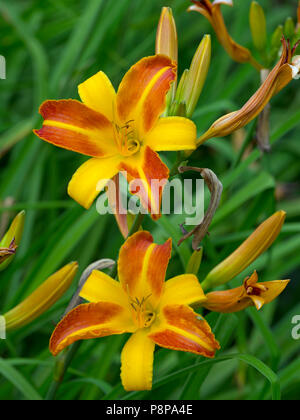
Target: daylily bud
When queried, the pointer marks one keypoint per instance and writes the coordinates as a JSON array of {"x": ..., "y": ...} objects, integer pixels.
[
  {"x": 195, "y": 262},
  {"x": 11, "y": 240},
  {"x": 42, "y": 298},
  {"x": 284, "y": 71},
  {"x": 181, "y": 85},
  {"x": 196, "y": 76},
  {"x": 167, "y": 42},
  {"x": 257, "y": 243},
  {"x": 258, "y": 26},
  {"x": 289, "y": 28},
  {"x": 166, "y": 37},
  {"x": 212, "y": 12},
  {"x": 251, "y": 293},
  {"x": 298, "y": 17},
  {"x": 179, "y": 106},
  {"x": 277, "y": 37}
]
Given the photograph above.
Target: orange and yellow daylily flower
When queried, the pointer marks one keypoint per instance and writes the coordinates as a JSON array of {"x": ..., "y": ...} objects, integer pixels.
[
  {"x": 142, "y": 303},
  {"x": 251, "y": 293},
  {"x": 120, "y": 131}
]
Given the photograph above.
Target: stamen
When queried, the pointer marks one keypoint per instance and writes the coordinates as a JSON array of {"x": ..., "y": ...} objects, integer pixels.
[
  {"x": 143, "y": 317},
  {"x": 126, "y": 138}
]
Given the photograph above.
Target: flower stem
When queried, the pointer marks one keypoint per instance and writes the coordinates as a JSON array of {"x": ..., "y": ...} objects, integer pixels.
[{"x": 60, "y": 369}]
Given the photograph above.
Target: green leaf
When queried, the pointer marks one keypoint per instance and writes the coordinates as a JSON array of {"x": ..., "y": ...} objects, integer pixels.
[{"x": 19, "y": 381}]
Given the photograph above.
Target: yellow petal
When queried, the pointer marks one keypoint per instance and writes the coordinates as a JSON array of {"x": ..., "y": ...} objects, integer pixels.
[
  {"x": 42, "y": 298},
  {"x": 172, "y": 133},
  {"x": 183, "y": 290},
  {"x": 273, "y": 289},
  {"x": 137, "y": 362},
  {"x": 99, "y": 94},
  {"x": 100, "y": 287},
  {"x": 258, "y": 301},
  {"x": 91, "y": 178}
]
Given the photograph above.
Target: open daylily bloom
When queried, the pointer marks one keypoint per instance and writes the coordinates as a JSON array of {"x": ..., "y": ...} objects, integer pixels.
[
  {"x": 142, "y": 303},
  {"x": 120, "y": 131},
  {"x": 257, "y": 243},
  {"x": 11, "y": 240},
  {"x": 283, "y": 73},
  {"x": 212, "y": 12},
  {"x": 251, "y": 293}
]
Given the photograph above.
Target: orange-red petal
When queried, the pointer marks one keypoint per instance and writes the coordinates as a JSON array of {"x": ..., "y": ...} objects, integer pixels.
[
  {"x": 180, "y": 328},
  {"x": 148, "y": 176},
  {"x": 91, "y": 320},
  {"x": 73, "y": 126},
  {"x": 142, "y": 267},
  {"x": 142, "y": 93}
]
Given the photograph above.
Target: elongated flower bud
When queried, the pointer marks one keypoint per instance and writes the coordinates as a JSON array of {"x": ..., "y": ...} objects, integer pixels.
[
  {"x": 282, "y": 74},
  {"x": 42, "y": 298},
  {"x": 258, "y": 26},
  {"x": 276, "y": 43},
  {"x": 213, "y": 13},
  {"x": 289, "y": 28},
  {"x": 166, "y": 37},
  {"x": 11, "y": 240},
  {"x": 167, "y": 41},
  {"x": 277, "y": 37},
  {"x": 257, "y": 243},
  {"x": 196, "y": 76},
  {"x": 195, "y": 262}
]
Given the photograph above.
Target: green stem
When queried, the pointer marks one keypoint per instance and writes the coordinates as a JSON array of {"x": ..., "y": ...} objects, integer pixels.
[
  {"x": 61, "y": 367},
  {"x": 249, "y": 137},
  {"x": 174, "y": 169}
]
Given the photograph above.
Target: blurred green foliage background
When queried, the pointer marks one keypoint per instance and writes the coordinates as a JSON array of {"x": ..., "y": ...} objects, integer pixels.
[{"x": 52, "y": 46}]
